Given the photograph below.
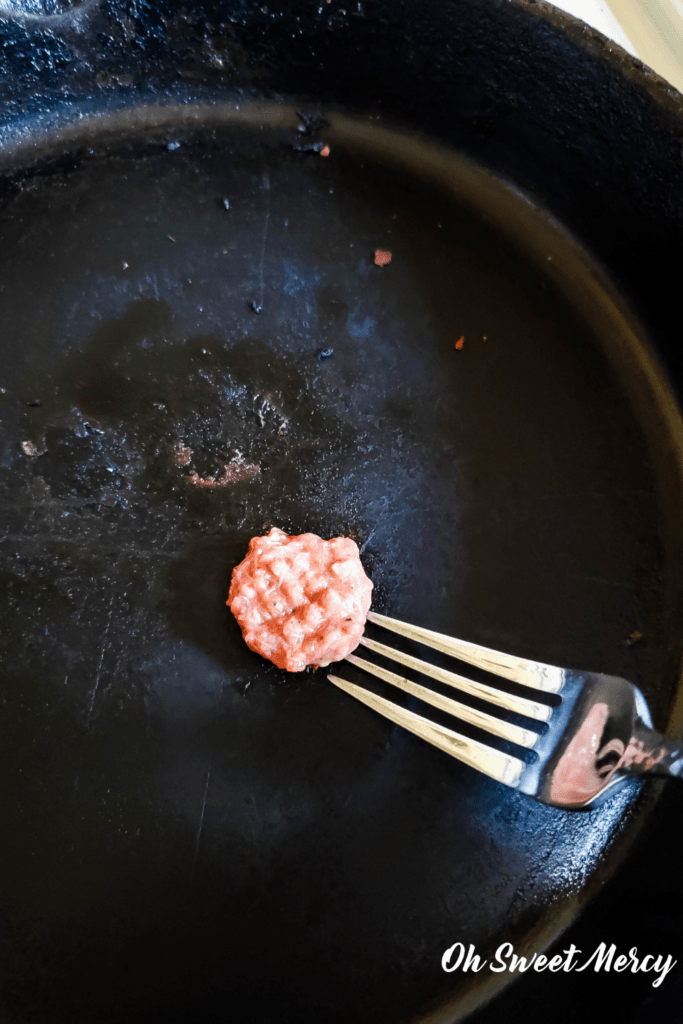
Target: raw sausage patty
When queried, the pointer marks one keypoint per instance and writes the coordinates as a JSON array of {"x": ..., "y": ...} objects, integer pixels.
[{"x": 301, "y": 600}]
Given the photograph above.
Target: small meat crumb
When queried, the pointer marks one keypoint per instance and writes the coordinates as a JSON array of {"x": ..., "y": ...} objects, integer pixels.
[
  {"x": 325, "y": 151},
  {"x": 28, "y": 448},
  {"x": 382, "y": 257},
  {"x": 183, "y": 456},
  {"x": 301, "y": 600}
]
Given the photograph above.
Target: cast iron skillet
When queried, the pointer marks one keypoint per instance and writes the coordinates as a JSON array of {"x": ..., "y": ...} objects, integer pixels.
[{"x": 189, "y": 834}]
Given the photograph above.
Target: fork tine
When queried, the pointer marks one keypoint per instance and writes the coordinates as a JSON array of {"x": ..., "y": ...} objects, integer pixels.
[
  {"x": 518, "y": 670},
  {"x": 502, "y": 767},
  {"x": 520, "y": 705},
  {"x": 496, "y": 726}
]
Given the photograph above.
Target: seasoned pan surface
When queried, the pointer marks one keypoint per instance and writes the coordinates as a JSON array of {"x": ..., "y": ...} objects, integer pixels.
[{"x": 187, "y": 829}]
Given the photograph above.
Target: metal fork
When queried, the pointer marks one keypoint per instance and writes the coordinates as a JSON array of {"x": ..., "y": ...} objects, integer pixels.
[{"x": 597, "y": 733}]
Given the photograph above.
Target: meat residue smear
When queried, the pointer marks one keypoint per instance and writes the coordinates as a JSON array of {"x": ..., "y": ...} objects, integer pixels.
[
  {"x": 301, "y": 600},
  {"x": 232, "y": 471},
  {"x": 382, "y": 257}
]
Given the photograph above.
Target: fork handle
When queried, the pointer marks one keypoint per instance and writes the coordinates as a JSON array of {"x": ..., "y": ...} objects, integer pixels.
[{"x": 650, "y": 753}]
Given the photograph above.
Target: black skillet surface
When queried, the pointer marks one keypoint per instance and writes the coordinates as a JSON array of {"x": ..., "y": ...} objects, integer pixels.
[{"x": 191, "y": 834}]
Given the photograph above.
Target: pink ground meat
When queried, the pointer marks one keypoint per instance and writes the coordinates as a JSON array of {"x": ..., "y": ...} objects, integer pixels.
[{"x": 301, "y": 600}]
